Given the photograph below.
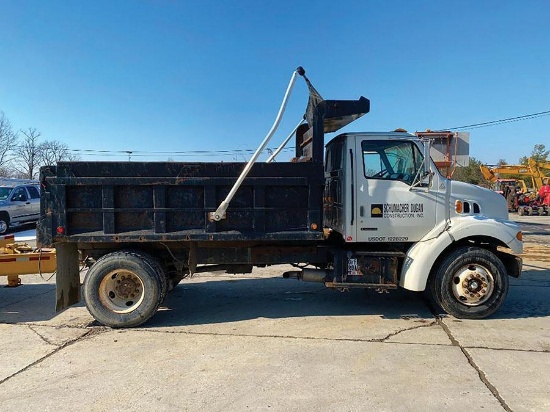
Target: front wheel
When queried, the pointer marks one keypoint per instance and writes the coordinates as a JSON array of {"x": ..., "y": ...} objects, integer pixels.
[
  {"x": 124, "y": 288},
  {"x": 470, "y": 283}
]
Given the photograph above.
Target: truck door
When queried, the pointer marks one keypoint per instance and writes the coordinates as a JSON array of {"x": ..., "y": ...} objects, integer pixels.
[
  {"x": 19, "y": 201},
  {"x": 34, "y": 199},
  {"x": 388, "y": 208}
]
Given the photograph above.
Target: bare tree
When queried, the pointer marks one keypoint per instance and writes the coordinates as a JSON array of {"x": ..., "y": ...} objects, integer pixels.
[
  {"x": 51, "y": 152},
  {"x": 26, "y": 164},
  {"x": 8, "y": 142}
]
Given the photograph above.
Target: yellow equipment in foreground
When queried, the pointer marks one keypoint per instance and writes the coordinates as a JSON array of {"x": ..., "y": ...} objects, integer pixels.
[{"x": 20, "y": 259}]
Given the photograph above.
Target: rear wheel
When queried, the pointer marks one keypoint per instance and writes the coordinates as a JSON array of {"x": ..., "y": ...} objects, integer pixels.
[
  {"x": 4, "y": 223},
  {"x": 470, "y": 283},
  {"x": 124, "y": 288}
]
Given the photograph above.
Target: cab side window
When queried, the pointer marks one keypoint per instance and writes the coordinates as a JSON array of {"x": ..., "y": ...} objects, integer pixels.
[
  {"x": 391, "y": 160},
  {"x": 19, "y": 195},
  {"x": 33, "y": 192}
]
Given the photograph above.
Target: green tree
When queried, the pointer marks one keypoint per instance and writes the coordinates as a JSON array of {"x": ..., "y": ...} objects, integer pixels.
[
  {"x": 539, "y": 154},
  {"x": 471, "y": 173}
]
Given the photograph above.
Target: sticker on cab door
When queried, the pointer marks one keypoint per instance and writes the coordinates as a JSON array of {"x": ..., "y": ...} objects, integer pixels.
[
  {"x": 376, "y": 210},
  {"x": 397, "y": 210}
]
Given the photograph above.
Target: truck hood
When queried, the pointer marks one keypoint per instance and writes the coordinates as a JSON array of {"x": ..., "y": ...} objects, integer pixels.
[{"x": 491, "y": 204}]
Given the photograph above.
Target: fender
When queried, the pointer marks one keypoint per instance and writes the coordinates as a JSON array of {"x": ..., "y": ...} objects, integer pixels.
[{"x": 422, "y": 256}]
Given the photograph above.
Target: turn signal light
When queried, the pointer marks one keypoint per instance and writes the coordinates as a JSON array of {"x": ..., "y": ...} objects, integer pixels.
[
  {"x": 459, "y": 206},
  {"x": 519, "y": 236}
]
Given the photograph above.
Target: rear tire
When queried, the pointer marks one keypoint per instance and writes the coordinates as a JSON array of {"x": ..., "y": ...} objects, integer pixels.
[
  {"x": 124, "y": 289},
  {"x": 470, "y": 283},
  {"x": 4, "y": 223}
]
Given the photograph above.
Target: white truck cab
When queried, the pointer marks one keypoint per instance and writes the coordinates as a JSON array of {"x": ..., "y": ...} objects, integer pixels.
[{"x": 384, "y": 195}]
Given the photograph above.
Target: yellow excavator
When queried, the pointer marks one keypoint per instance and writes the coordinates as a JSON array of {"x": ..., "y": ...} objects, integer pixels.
[
  {"x": 495, "y": 173},
  {"x": 516, "y": 192},
  {"x": 537, "y": 169}
]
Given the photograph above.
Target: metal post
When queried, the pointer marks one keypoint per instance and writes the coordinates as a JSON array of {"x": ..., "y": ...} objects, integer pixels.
[
  {"x": 282, "y": 146},
  {"x": 219, "y": 214}
]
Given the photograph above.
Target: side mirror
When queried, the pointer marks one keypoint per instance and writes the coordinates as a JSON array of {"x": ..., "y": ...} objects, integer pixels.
[{"x": 427, "y": 178}]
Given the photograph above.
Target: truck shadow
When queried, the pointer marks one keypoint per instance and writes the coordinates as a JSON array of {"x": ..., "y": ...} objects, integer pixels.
[
  {"x": 273, "y": 298},
  {"x": 214, "y": 301},
  {"x": 198, "y": 303}
]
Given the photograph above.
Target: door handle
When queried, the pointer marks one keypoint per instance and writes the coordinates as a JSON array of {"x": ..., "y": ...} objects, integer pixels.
[{"x": 361, "y": 211}]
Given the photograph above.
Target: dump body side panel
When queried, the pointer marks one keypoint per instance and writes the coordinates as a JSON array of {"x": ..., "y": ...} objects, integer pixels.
[{"x": 147, "y": 202}]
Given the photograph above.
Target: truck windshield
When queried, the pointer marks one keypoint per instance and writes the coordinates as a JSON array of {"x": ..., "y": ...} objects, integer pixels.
[
  {"x": 390, "y": 159},
  {"x": 5, "y": 192}
]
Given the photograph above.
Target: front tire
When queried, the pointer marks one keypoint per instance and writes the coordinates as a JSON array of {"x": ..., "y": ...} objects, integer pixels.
[
  {"x": 124, "y": 289},
  {"x": 470, "y": 283}
]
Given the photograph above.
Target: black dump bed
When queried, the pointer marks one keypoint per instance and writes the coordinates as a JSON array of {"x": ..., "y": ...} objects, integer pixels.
[
  {"x": 92, "y": 202},
  {"x": 143, "y": 202}
]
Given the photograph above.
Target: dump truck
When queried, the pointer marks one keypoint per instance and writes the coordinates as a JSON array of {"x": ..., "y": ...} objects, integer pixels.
[{"x": 369, "y": 211}]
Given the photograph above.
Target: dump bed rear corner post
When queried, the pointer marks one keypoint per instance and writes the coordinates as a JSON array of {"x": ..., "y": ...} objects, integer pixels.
[{"x": 68, "y": 276}]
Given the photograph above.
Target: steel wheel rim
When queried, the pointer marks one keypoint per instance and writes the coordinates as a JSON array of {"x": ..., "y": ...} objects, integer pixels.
[
  {"x": 121, "y": 291},
  {"x": 3, "y": 226},
  {"x": 472, "y": 285}
]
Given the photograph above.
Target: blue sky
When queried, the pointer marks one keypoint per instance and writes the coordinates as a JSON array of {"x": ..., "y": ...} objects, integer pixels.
[{"x": 179, "y": 76}]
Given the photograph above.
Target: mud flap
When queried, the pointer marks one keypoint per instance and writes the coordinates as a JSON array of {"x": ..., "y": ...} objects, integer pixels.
[
  {"x": 512, "y": 263},
  {"x": 67, "y": 278}
]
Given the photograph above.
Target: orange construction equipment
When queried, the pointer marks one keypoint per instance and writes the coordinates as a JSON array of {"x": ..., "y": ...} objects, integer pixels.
[{"x": 448, "y": 149}]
